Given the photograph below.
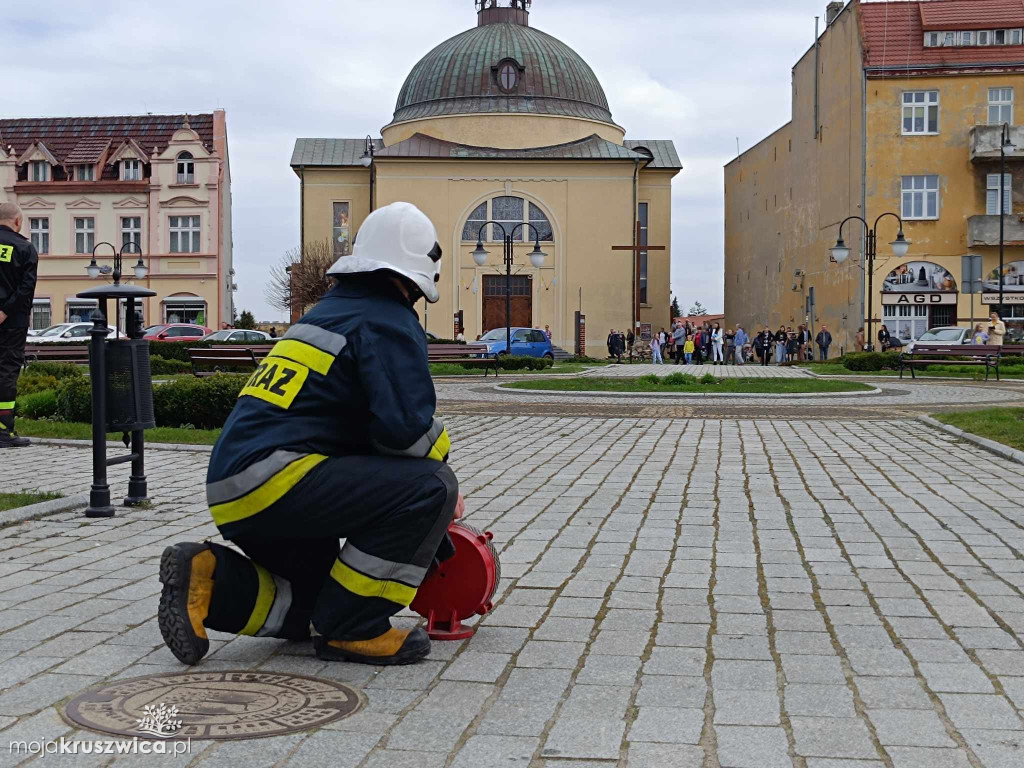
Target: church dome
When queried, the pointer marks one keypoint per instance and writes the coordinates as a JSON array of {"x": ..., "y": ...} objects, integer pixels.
[{"x": 502, "y": 66}]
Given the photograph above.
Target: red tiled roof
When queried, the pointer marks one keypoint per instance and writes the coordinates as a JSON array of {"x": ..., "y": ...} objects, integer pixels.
[
  {"x": 88, "y": 150},
  {"x": 972, "y": 14},
  {"x": 894, "y": 36},
  {"x": 63, "y": 135}
]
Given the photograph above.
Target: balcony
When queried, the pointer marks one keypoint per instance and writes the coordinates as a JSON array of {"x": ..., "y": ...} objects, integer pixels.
[
  {"x": 984, "y": 230},
  {"x": 984, "y": 143}
]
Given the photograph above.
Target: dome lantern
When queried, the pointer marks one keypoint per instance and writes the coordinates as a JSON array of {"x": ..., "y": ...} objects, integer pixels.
[{"x": 511, "y": 12}]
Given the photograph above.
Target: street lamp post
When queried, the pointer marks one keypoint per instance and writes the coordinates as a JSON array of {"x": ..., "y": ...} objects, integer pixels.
[
  {"x": 1006, "y": 147},
  {"x": 369, "y": 149},
  {"x": 537, "y": 257},
  {"x": 841, "y": 252}
]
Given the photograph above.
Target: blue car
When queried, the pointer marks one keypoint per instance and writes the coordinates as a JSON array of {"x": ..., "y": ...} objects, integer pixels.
[{"x": 528, "y": 342}]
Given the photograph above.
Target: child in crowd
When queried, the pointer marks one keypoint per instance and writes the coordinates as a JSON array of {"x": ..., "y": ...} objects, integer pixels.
[{"x": 688, "y": 347}]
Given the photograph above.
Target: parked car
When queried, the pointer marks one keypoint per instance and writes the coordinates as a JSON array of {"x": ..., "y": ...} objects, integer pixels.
[
  {"x": 528, "y": 342},
  {"x": 176, "y": 332},
  {"x": 64, "y": 332},
  {"x": 233, "y": 336},
  {"x": 940, "y": 337}
]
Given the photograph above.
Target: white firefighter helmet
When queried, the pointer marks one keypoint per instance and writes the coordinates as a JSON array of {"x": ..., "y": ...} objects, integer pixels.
[{"x": 398, "y": 238}]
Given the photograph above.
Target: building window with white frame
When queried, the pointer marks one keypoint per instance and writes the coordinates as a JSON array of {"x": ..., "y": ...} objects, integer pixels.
[
  {"x": 85, "y": 234},
  {"x": 931, "y": 39},
  {"x": 131, "y": 170},
  {"x": 41, "y": 314},
  {"x": 984, "y": 37},
  {"x": 40, "y": 170},
  {"x": 39, "y": 234},
  {"x": 1000, "y": 106},
  {"x": 184, "y": 234},
  {"x": 967, "y": 38},
  {"x": 84, "y": 173},
  {"x": 992, "y": 195},
  {"x": 131, "y": 232},
  {"x": 920, "y": 197},
  {"x": 185, "y": 311},
  {"x": 920, "y": 112},
  {"x": 186, "y": 168}
]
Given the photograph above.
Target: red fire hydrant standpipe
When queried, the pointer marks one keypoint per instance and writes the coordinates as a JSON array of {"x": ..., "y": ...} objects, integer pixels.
[{"x": 461, "y": 586}]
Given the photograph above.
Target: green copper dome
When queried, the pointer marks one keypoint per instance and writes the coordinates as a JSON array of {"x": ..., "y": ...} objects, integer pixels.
[{"x": 502, "y": 66}]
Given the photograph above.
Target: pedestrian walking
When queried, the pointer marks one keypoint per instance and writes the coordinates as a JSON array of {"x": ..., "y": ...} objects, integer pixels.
[
  {"x": 18, "y": 264},
  {"x": 678, "y": 340},
  {"x": 858, "y": 340},
  {"x": 611, "y": 342},
  {"x": 979, "y": 335},
  {"x": 656, "y": 350},
  {"x": 781, "y": 339},
  {"x": 730, "y": 350},
  {"x": 740, "y": 342},
  {"x": 996, "y": 330},
  {"x": 630, "y": 340},
  {"x": 824, "y": 341},
  {"x": 717, "y": 341}
]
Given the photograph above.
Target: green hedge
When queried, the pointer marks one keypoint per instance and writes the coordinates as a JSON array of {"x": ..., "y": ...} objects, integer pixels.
[
  {"x": 523, "y": 363},
  {"x": 161, "y": 366},
  {"x": 41, "y": 405},
  {"x": 74, "y": 400},
  {"x": 871, "y": 361},
  {"x": 29, "y": 384},
  {"x": 202, "y": 403},
  {"x": 57, "y": 370}
]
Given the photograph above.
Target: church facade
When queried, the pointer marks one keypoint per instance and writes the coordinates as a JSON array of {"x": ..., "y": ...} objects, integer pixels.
[{"x": 506, "y": 123}]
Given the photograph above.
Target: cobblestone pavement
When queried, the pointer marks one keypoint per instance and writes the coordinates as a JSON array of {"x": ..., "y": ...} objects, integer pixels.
[
  {"x": 721, "y": 371},
  {"x": 714, "y": 593}
]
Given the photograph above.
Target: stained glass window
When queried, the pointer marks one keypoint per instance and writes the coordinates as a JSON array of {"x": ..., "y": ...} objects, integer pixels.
[
  {"x": 508, "y": 211},
  {"x": 471, "y": 231},
  {"x": 540, "y": 221}
]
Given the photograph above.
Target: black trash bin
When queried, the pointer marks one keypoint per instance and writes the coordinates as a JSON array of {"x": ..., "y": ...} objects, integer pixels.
[{"x": 129, "y": 386}]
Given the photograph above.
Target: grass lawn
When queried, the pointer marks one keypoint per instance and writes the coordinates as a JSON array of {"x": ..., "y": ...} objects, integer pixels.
[
  {"x": 24, "y": 498},
  {"x": 946, "y": 371},
  {"x": 74, "y": 431},
  {"x": 455, "y": 369},
  {"x": 738, "y": 386},
  {"x": 1004, "y": 425}
]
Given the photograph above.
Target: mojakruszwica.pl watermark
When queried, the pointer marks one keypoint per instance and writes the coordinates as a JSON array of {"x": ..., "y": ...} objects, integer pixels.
[{"x": 159, "y": 722}]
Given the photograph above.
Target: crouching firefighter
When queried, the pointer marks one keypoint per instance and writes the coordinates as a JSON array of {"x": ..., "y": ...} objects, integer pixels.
[{"x": 333, "y": 437}]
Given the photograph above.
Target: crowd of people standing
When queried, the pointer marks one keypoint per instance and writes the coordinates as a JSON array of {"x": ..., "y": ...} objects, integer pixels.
[{"x": 709, "y": 344}]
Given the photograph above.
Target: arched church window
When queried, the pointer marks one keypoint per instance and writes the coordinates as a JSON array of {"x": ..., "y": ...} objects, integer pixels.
[
  {"x": 509, "y": 211},
  {"x": 508, "y": 77}
]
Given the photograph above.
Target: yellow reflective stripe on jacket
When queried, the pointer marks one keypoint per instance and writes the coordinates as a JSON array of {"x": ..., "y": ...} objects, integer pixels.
[
  {"x": 301, "y": 352},
  {"x": 7, "y": 405},
  {"x": 365, "y": 586},
  {"x": 268, "y": 493},
  {"x": 264, "y": 600},
  {"x": 441, "y": 448}
]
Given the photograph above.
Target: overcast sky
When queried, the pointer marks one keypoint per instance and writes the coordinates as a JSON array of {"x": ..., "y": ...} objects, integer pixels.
[{"x": 700, "y": 73}]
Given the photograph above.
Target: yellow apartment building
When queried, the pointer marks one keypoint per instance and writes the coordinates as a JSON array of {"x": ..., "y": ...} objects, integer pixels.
[
  {"x": 899, "y": 107},
  {"x": 504, "y": 122},
  {"x": 162, "y": 182}
]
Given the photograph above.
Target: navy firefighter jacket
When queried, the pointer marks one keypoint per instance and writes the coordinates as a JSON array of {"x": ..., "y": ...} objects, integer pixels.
[{"x": 350, "y": 378}]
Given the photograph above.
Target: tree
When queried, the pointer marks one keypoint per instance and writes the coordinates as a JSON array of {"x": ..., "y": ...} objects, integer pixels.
[
  {"x": 246, "y": 321},
  {"x": 676, "y": 311},
  {"x": 697, "y": 309},
  {"x": 300, "y": 278}
]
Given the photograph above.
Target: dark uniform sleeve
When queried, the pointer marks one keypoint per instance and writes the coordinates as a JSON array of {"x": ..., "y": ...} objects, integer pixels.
[
  {"x": 20, "y": 301},
  {"x": 396, "y": 379}
]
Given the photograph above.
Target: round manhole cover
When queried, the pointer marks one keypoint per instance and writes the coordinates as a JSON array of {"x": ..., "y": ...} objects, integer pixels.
[{"x": 213, "y": 705}]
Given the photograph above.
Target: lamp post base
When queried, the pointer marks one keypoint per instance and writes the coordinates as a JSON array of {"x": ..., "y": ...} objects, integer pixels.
[
  {"x": 99, "y": 512},
  {"x": 135, "y": 501}
]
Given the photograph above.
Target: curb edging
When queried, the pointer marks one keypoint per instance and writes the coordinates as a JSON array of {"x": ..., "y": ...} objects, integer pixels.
[
  {"x": 991, "y": 446},
  {"x": 685, "y": 395},
  {"x": 68, "y": 442},
  {"x": 43, "y": 509}
]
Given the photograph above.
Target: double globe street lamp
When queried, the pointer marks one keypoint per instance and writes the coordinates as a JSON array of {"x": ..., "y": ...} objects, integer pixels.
[
  {"x": 841, "y": 252},
  {"x": 1006, "y": 147},
  {"x": 537, "y": 257}
]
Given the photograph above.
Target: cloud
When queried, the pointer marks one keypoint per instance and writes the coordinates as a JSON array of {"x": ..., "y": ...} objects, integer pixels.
[{"x": 701, "y": 74}]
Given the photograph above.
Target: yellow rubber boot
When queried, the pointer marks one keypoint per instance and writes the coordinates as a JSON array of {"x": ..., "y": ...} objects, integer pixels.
[
  {"x": 186, "y": 571},
  {"x": 396, "y": 646}
]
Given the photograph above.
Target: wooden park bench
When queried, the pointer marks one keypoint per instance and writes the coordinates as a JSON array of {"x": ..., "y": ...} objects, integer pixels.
[
  {"x": 475, "y": 354},
  {"x": 1014, "y": 350},
  {"x": 206, "y": 361},
  {"x": 953, "y": 354},
  {"x": 56, "y": 353}
]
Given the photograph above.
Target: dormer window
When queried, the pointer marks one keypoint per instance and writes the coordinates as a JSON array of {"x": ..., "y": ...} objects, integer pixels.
[
  {"x": 131, "y": 170},
  {"x": 971, "y": 38},
  {"x": 84, "y": 172},
  {"x": 39, "y": 170},
  {"x": 186, "y": 168},
  {"x": 507, "y": 74}
]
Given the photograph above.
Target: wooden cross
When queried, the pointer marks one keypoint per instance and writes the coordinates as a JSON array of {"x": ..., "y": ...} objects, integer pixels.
[{"x": 637, "y": 250}]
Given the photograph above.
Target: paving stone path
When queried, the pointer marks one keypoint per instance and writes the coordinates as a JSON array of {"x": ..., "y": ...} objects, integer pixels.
[
  {"x": 720, "y": 371},
  {"x": 677, "y": 592}
]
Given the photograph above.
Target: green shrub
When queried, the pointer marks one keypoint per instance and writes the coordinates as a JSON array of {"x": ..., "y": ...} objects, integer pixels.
[
  {"x": 160, "y": 366},
  {"x": 29, "y": 384},
  {"x": 444, "y": 341},
  {"x": 203, "y": 403},
  {"x": 651, "y": 379},
  {"x": 585, "y": 359},
  {"x": 74, "y": 400},
  {"x": 523, "y": 363},
  {"x": 40, "y": 405},
  {"x": 57, "y": 370},
  {"x": 871, "y": 361},
  {"x": 677, "y": 379},
  {"x": 708, "y": 378}
]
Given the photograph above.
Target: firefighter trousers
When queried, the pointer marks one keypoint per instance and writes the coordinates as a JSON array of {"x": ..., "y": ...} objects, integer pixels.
[
  {"x": 12, "y": 356},
  {"x": 393, "y": 514}
]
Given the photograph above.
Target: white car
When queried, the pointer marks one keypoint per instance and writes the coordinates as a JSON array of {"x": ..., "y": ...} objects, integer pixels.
[
  {"x": 940, "y": 337},
  {"x": 65, "y": 332},
  {"x": 235, "y": 336}
]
